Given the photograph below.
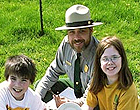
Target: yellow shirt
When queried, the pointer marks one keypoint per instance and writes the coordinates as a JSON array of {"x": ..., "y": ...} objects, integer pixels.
[{"x": 111, "y": 98}]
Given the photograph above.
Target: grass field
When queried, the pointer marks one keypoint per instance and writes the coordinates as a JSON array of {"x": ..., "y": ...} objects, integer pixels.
[{"x": 20, "y": 29}]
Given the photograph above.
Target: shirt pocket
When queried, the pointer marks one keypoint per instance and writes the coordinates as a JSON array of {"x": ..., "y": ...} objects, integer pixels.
[{"x": 69, "y": 69}]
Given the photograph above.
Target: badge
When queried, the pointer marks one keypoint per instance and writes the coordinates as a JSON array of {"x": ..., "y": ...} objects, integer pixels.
[{"x": 86, "y": 68}]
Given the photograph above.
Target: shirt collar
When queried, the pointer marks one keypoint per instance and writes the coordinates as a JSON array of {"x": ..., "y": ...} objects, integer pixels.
[
  {"x": 87, "y": 52},
  {"x": 92, "y": 47}
]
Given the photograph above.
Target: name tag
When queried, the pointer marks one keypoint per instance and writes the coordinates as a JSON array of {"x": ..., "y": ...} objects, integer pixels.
[{"x": 68, "y": 63}]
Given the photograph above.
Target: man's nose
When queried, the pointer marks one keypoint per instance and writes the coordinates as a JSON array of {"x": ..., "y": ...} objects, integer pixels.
[{"x": 77, "y": 34}]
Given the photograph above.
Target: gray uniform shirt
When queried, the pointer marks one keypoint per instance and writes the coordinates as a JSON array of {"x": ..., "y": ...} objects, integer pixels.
[{"x": 64, "y": 64}]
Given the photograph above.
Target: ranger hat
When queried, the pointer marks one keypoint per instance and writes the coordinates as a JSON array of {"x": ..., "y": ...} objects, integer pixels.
[{"x": 78, "y": 16}]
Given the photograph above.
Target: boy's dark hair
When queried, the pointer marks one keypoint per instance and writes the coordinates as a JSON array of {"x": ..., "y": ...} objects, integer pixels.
[{"x": 22, "y": 66}]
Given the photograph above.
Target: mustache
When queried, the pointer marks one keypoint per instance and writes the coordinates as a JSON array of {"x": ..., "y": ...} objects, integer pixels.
[{"x": 79, "y": 40}]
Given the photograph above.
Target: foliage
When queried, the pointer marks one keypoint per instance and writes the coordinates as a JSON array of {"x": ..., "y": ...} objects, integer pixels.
[{"x": 20, "y": 29}]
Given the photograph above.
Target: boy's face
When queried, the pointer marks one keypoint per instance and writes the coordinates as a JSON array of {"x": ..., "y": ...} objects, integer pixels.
[{"x": 18, "y": 86}]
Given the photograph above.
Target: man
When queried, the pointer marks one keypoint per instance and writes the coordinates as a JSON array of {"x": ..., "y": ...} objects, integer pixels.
[{"x": 79, "y": 28}]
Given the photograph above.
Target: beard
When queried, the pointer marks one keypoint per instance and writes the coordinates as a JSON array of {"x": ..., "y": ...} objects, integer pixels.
[
  {"x": 79, "y": 49},
  {"x": 80, "y": 45}
]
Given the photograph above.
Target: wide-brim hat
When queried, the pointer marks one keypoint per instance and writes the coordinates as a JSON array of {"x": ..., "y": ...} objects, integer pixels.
[
  {"x": 69, "y": 106},
  {"x": 78, "y": 16}
]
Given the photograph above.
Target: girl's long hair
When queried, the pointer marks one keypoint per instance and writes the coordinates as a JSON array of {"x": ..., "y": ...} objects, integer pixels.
[{"x": 99, "y": 77}]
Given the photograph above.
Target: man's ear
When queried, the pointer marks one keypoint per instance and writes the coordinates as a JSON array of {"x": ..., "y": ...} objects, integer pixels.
[{"x": 91, "y": 29}]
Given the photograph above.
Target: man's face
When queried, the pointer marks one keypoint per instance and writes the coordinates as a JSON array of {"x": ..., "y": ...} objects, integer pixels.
[{"x": 79, "y": 39}]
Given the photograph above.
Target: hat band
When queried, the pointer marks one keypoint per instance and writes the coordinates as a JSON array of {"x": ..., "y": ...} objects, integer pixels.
[{"x": 81, "y": 23}]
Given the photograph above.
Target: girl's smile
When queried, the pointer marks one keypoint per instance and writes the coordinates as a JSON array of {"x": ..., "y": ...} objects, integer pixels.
[{"x": 111, "y": 63}]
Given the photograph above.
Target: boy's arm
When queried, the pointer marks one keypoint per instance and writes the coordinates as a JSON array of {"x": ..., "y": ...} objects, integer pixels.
[{"x": 3, "y": 95}]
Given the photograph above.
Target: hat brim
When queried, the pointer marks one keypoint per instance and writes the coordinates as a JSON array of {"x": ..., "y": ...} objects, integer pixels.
[
  {"x": 66, "y": 28},
  {"x": 69, "y": 106}
]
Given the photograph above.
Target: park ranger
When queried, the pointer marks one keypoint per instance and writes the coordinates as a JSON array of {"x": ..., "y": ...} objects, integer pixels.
[{"x": 77, "y": 44}]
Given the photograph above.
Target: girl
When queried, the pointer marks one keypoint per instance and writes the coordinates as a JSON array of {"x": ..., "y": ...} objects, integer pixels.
[{"x": 112, "y": 86}]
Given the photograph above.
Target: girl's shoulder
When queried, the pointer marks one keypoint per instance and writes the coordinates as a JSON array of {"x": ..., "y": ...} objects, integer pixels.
[{"x": 132, "y": 90}]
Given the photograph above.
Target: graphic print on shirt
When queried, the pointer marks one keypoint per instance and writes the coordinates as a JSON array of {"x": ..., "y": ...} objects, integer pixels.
[
  {"x": 115, "y": 103},
  {"x": 17, "y": 108}
]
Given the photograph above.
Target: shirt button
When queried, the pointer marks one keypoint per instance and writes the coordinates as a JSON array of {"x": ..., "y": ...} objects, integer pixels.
[{"x": 77, "y": 83}]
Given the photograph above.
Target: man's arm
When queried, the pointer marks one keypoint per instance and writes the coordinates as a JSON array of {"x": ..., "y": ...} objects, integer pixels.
[{"x": 53, "y": 72}]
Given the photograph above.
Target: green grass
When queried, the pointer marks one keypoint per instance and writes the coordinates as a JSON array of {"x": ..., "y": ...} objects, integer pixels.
[{"x": 20, "y": 28}]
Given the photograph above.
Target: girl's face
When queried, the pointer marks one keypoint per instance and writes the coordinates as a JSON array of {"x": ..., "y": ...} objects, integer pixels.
[
  {"x": 18, "y": 86},
  {"x": 111, "y": 63}
]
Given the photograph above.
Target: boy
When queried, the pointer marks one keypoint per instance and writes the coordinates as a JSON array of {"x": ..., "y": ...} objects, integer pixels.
[{"x": 15, "y": 93}]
